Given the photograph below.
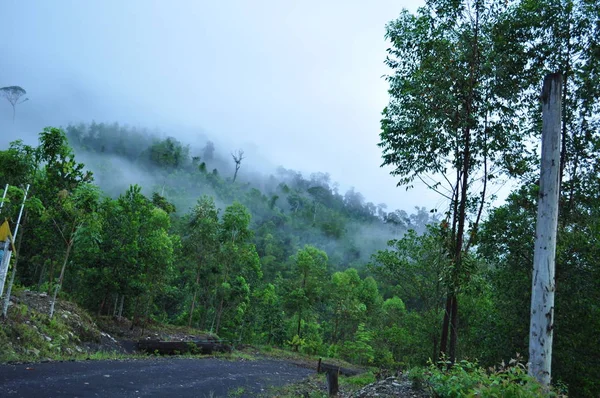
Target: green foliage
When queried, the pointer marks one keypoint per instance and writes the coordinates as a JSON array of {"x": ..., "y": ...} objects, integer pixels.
[
  {"x": 468, "y": 379},
  {"x": 296, "y": 342},
  {"x": 236, "y": 392},
  {"x": 360, "y": 350},
  {"x": 284, "y": 265},
  {"x": 360, "y": 380}
]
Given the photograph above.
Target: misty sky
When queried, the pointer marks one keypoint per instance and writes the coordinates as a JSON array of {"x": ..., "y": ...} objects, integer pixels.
[{"x": 294, "y": 83}]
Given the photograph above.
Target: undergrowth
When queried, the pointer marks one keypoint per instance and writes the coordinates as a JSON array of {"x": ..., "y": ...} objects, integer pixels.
[{"x": 469, "y": 379}]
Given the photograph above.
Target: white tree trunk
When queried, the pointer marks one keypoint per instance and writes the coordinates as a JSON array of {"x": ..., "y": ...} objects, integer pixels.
[
  {"x": 543, "y": 283},
  {"x": 61, "y": 277},
  {"x": 6, "y": 303}
]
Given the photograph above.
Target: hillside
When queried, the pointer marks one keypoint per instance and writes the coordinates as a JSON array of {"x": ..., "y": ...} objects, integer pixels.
[{"x": 294, "y": 209}]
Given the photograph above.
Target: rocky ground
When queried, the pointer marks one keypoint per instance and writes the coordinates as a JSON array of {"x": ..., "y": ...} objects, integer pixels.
[
  {"x": 30, "y": 335},
  {"x": 316, "y": 386},
  {"x": 389, "y": 387}
]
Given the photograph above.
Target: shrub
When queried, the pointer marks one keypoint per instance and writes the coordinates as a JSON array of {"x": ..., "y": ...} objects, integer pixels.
[{"x": 468, "y": 379}]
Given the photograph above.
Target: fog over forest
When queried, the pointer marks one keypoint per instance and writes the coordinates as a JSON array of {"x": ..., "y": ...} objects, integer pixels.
[
  {"x": 345, "y": 180},
  {"x": 258, "y": 78}
]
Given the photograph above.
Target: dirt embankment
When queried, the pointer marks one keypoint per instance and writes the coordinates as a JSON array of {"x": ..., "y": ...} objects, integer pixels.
[{"x": 29, "y": 335}]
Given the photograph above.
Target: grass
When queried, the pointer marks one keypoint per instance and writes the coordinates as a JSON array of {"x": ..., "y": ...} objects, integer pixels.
[
  {"x": 278, "y": 353},
  {"x": 235, "y": 355},
  {"x": 236, "y": 392},
  {"x": 358, "y": 381},
  {"x": 314, "y": 387},
  {"x": 28, "y": 335}
]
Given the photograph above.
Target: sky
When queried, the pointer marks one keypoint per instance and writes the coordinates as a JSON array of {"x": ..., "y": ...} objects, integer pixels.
[{"x": 296, "y": 84}]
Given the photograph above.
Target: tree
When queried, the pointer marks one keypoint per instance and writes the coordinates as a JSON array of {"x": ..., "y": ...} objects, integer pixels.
[
  {"x": 310, "y": 267},
  {"x": 12, "y": 95},
  {"x": 202, "y": 242},
  {"x": 75, "y": 220},
  {"x": 451, "y": 120},
  {"x": 208, "y": 152},
  {"x": 237, "y": 158},
  {"x": 238, "y": 259},
  {"x": 416, "y": 266},
  {"x": 347, "y": 306}
]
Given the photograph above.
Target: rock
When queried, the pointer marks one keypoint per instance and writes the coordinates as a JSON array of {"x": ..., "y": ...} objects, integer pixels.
[{"x": 108, "y": 336}]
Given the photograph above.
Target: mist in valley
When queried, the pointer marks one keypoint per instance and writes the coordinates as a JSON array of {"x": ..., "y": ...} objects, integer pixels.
[{"x": 305, "y": 112}]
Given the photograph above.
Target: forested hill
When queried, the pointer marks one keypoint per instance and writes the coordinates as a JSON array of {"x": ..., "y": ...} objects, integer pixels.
[
  {"x": 288, "y": 209},
  {"x": 150, "y": 230}
]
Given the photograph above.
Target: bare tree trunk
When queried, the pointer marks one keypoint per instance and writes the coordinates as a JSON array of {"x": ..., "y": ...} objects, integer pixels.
[
  {"x": 9, "y": 289},
  {"x": 335, "y": 330},
  {"x": 101, "y": 307},
  {"x": 61, "y": 277},
  {"x": 219, "y": 314},
  {"x": 435, "y": 347},
  {"x": 135, "y": 311},
  {"x": 543, "y": 282},
  {"x": 445, "y": 324},
  {"x": 116, "y": 303},
  {"x": 453, "y": 329},
  {"x": 194, "y": 299},
  {"x": 51, "y": 276},
  {"x": 121, "y": 306},
  {"x": 41, "y": 278}
]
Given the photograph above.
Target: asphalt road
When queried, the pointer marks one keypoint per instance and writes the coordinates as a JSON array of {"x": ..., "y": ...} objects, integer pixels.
[{"x": 161, "y": 377}]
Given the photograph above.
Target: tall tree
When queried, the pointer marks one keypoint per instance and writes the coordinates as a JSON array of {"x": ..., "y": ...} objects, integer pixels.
[
  {"x": 310, "y": 267},
  {"x": 13, "y": 94},
  {"x": 562, "y": 35},
  {"x": 76, "y": 219},
  {"x": 202, "y": 243},
  {"x": 237, "y": 158},
  {"x": 451, "y": 120},
  {"x": 240, "y": 264}
]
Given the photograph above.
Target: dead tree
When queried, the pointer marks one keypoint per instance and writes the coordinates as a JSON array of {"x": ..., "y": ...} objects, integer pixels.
[
  {"x": 543, "y": 283},
  {"x": 237, "y": 158}
]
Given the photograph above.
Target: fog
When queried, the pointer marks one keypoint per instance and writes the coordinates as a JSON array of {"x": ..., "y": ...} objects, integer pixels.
[{"x": 293, "y": 84}]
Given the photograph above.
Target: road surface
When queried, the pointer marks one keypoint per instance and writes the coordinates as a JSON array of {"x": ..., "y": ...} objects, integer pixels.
[{"x": 161, "y": 377}]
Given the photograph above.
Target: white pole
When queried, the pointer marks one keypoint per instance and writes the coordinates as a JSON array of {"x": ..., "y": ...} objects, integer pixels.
[
  {"x": 20, "y": 214},
  {"x": 4, "y": 196},
  {"x": 5, "y": 250},
  {"x": 543, "y": 282},
  {"x": 8, "y": 253},
  {"x": 4, "y": 264}
]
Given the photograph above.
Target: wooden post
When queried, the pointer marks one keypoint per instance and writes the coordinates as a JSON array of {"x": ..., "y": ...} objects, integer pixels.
[
  {"x": 332, "y": 382},
  {"x": 543, "y": 283}
]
